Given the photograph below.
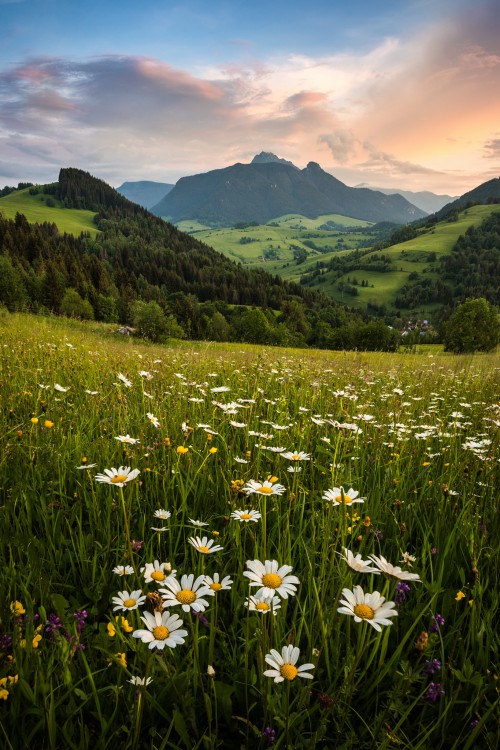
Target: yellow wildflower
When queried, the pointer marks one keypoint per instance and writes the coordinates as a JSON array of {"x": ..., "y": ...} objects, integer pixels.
[
  {"x": 111, "y": 630},
  {"x": 182, "y": 449},
  {"x": 36, "y": 640},
  {"x": 272, "y": 479},
  {"x": 3, "y": 682},
  {"x": 460, "y": 596},
  {"x": 34, "y": 420},
  {"x": 213, "y": 450},
  {"x": 121, "y": 657},
  {"x": 4, "y": 694},
  {"x": 17, "y": 608},
  {"x": 48, "y": 424}
]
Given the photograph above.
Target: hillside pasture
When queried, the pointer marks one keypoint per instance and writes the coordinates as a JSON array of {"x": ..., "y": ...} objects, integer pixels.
[{"x": 36, "y": 211}]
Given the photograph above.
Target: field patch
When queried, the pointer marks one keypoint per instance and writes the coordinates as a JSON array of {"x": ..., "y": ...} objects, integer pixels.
[{"x": 36, "y": 210}]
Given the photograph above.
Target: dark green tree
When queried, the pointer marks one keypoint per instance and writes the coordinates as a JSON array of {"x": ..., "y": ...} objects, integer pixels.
[{"x": 474, "y": 326}]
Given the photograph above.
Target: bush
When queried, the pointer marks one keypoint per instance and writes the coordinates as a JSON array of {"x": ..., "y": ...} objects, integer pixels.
[{"x": 474, "y": 326}]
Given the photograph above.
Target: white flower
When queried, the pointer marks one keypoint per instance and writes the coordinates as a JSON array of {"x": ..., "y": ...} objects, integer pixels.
[
  {"x": 127, "y": 439},
  {"x": 59, "y": 388},
  {"x": 215, "y": 584},
  {"x": 145, "y": 374},
  {"x": 124, "y": 380},
  {"x": 188, "y": 593},
  {"x": 118, "y": 477},
  {"x": 294, "y": 469},
  {"x": 271, "y": 578},
  {"x": 369, "y": 607},
  {"x": 204, "y": 545},
  {"x": 263, "y": 604},
  {"x": 127, "y": 601},
  {"x": 240, "y": 460},
  {"x": 220, "y": 389},
  {"x": 163, "y": 629},
  {"x": 297, "y": 456},
  {"x": 156, "y": 571},
  {"x": 356, "y": 563},
  {"x": 197, "y": 523},
  {"x": 123, "y": 570},
  {"x": 87, "y": 466},
  {"x": 163, "y": 514},
  {"x": 393, "y": 571},
  {"x": 337, "y": 496},
  {"x": 153, "y": 419},
  {"x": 91, "y": 393},
  {"x": 210, "y": 671},
  {"x": 244, "y": 516},
  {"x": 283, "y": 665},
  {"x": 410, "y": 559},
  {"x": 159, "y": 528},
  {"x": 140, "y": 681},
  {"x": 237, "y": 424},
  {"x": 263, "y": 488}
]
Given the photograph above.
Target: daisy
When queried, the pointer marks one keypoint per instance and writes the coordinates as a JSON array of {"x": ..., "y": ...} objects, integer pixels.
[
  {"x": 297, "y": 456},
  {"x": 244, "y": 516},
  {"x": 356, "y": 563},
  {"x": 240, "y": 460},
  {"x": 59, "y": 388},
  {"x": 263, "y": 604},
  {"x": 197, "y": 523},
  {"x": 370, "y": 607},
  {"x": 156, "y": 572},
  {"x": 127, "y": 601},
  {"x": 160, "y": 528},
  {"x": 283, "y": 665},
  {"x": 337, "y": 496},
  {"x": 263, "y": 488},
  {"x": 127, "y": 439},
  {"x": 154, "y": 421},
  {"x": 163, "y": 514},
  {"x": 393, "y": 571},
  {"x": 408, "y": 559},
  {"x": 294, "y": 469},
  {"x": 162, "y": 630},
  {"x": 118, "y": 476},
  {"x": 204, "y": 545},
  {"x": 215, "y": 584},
  {"x": 188, "y": 593},
  {"x": 87, "y": 466},
  {"x": 271, "y": 578},
  {"x": 124, "y": 380},
  {"x": 123, "y": 570}
]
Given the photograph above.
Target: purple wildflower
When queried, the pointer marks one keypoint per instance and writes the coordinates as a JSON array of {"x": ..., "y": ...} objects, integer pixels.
[
  {"x": 269, "y": 736},
  {"x": 431, "y": 666},
  {"x": 402, "y": 591},
  {"x": 434, "y": 691},
  {"x": 136, "y": 545},
  {"x": 6, "y": 643},
  {"x": 80, "y": 616},
  {"x": 438, "y": 622},
  {"x": 434, "y": 550},
  {"x": 53, "y": 626}
]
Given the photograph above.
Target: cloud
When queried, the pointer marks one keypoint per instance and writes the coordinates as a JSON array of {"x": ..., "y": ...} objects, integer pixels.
[
  {"x": 381, "y": 159},
  {"x": 342, "y": 144},
  {"x": 492, "y": 148}
]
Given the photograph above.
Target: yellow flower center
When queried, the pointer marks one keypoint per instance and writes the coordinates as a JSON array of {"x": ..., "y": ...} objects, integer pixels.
[
  {"x": 346, "y": 499},
  {"x": 289, "y": 672},
  {"x": 272, "y": 580},
  {"x": 265, "y": 490},
  {"x": 186, "y": 596},
  {"x": 129, "y": 602},
  {"x": 158, "y": 575},
  {"x": 296, "y": 457},
  {"x": 202, "y": 548},
  {"x": 262, "y": 606},
  {"x": 245, "y": 516},
  {"x": 364, "y": 611},
  {"x": 119, "y": 478},
  {"x": 161, "y": 633},
  {"x": 216, "y": 586}
]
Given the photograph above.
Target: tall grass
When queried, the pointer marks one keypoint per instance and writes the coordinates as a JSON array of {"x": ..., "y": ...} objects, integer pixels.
[{"x": 416, "y": 436}]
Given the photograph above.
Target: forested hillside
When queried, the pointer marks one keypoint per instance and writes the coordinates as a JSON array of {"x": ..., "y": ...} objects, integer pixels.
[{"x": 138, "y": 257}]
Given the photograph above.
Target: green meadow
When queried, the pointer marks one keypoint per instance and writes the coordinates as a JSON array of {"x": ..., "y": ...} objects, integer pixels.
[
  {"x": 274, "y": 245},
  {"x": 225, "y": 546},
  {"x": 36, "y": 210}
]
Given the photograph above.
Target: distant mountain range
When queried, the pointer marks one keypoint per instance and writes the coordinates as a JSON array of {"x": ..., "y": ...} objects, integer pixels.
[
  {"x": 487, "y": 192},
  {"x": 269, "y": 187},
  {"x": 145, "y": 193},
  {"x": 424, "y": 199}
]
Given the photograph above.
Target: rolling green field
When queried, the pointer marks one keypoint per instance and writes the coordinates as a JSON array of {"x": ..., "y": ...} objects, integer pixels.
[
  {"x": 275, "y": 244},
  {"x": 35, "y": 209},
  {"x": 225, "y": 546}
]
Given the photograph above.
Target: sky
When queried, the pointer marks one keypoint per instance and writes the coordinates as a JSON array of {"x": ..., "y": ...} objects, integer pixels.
[{"x": 388, "y": 93}]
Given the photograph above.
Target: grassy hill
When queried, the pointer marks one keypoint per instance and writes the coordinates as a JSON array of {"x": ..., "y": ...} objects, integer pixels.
[
  {"x": 403, "y": 262},
  {"x": 37, "y": 211}
]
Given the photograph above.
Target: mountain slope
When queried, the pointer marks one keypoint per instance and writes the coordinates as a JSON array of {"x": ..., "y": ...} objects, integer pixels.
[
  {"x": 487, "y": 192},
  {"x": 423, "y": 199},
  {"x": 146, "y": 193},
  {"x": 264, "y": 190}
]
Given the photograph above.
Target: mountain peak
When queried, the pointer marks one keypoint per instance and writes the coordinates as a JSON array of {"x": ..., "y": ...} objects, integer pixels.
[{"x": 266, "y": 157}]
